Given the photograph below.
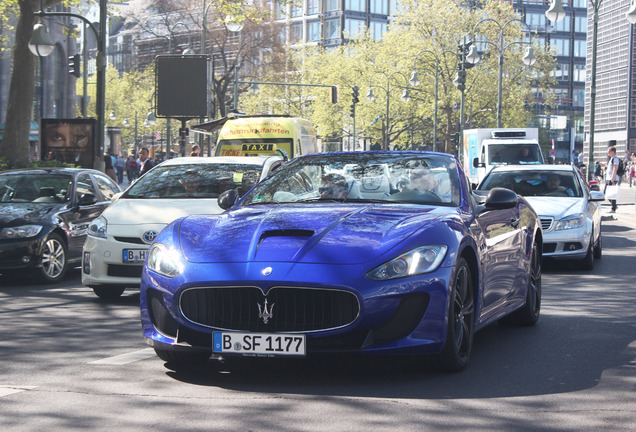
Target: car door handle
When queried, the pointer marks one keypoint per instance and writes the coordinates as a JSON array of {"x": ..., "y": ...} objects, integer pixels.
[{"x": 514, "y": 222}]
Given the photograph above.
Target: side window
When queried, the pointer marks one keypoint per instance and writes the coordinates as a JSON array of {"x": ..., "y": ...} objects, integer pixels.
[
  {"x": 84, "y": 185},
  {"x": 106, "y": 186}
]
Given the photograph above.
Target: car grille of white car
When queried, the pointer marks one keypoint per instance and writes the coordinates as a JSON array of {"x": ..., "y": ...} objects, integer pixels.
[
  {"x": 546, "y": 223},
  {"x": 288, "y": 309}
]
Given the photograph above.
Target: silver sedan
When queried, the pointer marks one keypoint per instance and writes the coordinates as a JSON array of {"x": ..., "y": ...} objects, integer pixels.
[{"x": 569, "y": 211}]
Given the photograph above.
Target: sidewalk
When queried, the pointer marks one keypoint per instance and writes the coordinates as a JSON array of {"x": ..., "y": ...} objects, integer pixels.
[{"x": 626, "y": 211}]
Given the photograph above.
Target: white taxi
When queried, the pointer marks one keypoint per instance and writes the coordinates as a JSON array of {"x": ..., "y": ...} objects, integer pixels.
[{"x": 118, "y": 241}]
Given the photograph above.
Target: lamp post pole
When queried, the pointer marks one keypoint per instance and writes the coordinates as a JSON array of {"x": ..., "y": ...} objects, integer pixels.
[
  {"x": 528, "y": 59},
  {"x": 387, "y": 90},
  {"x": 556, "y": 13},
  {"x": 100, "y": 92}
]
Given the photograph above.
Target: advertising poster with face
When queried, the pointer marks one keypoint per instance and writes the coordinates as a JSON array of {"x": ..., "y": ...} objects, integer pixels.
[{"x": 69, "y": 140}]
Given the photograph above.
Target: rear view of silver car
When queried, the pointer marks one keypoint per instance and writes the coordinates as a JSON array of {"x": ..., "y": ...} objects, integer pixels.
[{"x": 569, "y": 210}]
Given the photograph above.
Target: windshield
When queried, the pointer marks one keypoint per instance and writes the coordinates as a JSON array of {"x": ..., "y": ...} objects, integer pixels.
[
  {"x": 376, "y": 177},
  {"x": 37, "y": 188},
  {"x": 514, "y": 154},
  {"x": 205, "y": 180},
  {"x": 535, "y": 183}
]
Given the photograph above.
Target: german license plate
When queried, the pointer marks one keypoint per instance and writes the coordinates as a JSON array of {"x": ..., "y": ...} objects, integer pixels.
[
  {"x": 268, "y": 344},
  {"x": 134, "y": 255}
]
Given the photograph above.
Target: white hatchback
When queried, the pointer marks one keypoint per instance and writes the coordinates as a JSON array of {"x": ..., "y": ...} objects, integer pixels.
[{"x": 118, "y": 241}]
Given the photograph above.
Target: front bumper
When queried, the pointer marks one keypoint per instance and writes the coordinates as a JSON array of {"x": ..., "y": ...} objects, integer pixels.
[
  {"x": 566, "y": 244},
  {"x": 21, "y": 253},
  {"x": 402, "y": 316},
  {"x": 102, "y": 262}
]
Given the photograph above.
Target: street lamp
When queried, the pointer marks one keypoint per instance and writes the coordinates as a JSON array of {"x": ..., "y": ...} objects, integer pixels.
[
  {"x": 370, "y": 96},
  {"x": 556, "y": 13},
  {"x": 41, "y": 45},
  {"x": 528, "y": 58},
  {"x": 414, "y": 81}
]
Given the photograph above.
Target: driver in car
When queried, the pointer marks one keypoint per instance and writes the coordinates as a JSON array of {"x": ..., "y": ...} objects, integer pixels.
[
  {"x": 333, "y": 186},
  {"x": 421, "y": 187}
]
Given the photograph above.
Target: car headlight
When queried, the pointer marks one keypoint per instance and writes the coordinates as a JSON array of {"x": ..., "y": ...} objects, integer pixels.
[
  {"x": 23, "y": 231},
  {"x": 570, "y": 222},
  {"x": 164, "y": 260},
  {"x": 98, "y": 227},
  {"x": 421, "y": 260}
]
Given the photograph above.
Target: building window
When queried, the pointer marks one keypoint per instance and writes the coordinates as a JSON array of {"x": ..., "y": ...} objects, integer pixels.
[
  {"x": 280, "y": 11},
  {"x": 536, "y": 20},
  {"x": 579, "y": 98},
  {"x": 563, "y": 25},
  {"x": 578, "y": 74},
  {"x": 332, "y": 29},
  {"x": 313, "y": 7},
  {"x": 579, "y": 3},
  {"x": 296, "y": 33},
  {"x": 332, "y": 5},
  {"x": 354, "y": 27},
  {"x": 561, "y": 71},
  {"x": 579, "y": 48},
  {"x": 355, "y": 5},
  {"x": 379, "y": 7},
  {"x": 580, "y": 24},
  {"x": 296, "y": 10},
  {"x": 377, "y": 29},
  {"x": 313, "y": 31},
  {"x": 562, "y": 46}
]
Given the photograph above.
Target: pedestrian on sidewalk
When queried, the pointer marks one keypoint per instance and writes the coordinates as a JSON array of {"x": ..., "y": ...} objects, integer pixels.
[{"x": 611, "y": 174}]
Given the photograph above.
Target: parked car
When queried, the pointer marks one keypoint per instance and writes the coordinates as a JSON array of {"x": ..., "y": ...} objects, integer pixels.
[
  {"x": 304, "y": 263},
  {"x": 569, "y": 210},
  {"x": 44, "y": 216},
  {"x": 119, "y": 239}
]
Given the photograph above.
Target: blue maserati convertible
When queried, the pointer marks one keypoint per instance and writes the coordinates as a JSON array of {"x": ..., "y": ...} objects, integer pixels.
[{"x": 365, "y": 252}]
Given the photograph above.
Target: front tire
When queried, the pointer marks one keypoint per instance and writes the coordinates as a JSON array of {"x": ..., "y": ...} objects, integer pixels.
[
  {"x": 598, "y": 248},
  {"x": 54, "y": 259},
  {"x": 588, "y": 261},
  {"x": 461, "y": 318}
]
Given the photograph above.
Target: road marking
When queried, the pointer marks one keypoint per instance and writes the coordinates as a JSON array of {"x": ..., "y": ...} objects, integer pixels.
[
  {"x": 123, "y": 359},
  {"x": 6, "y": 390}
]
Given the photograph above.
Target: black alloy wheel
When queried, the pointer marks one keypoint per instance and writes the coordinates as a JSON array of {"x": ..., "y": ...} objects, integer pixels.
[
  {"x": 588, "y": 261},
  {"x": 461, "y": 320},
  {"x": 598, "y": 248}
]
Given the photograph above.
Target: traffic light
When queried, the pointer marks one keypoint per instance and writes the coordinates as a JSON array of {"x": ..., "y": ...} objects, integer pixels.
[
  {"x": 353, "y": 110},
  {"x": 74, "y": 65},
  {"x": 356, "y": 94},
  {"x": 464, "y": 49},
  {"x": 454, "y": 138},
  {"x": 333, "y": 91}
]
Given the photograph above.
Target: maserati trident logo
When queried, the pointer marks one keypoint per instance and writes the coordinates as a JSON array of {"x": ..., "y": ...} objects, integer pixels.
[
  {"x": 149, "y": 236},
  {"x": 265, "y": 313}
]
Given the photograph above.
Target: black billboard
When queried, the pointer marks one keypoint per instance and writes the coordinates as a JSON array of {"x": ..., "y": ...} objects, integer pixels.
[{"x": 182, "y": 86}]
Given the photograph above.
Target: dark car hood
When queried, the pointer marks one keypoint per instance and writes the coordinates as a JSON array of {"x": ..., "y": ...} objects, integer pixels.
[
  {"x": 303, "y": 234},
  {"x": 15, "y": 214}
]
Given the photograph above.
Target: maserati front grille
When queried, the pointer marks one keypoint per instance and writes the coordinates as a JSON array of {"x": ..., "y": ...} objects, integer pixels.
[{"x": 284, "y": 309}]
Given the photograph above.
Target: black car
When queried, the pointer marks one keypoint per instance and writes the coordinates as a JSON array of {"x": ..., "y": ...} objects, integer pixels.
[{"x": 44, "y": 216}]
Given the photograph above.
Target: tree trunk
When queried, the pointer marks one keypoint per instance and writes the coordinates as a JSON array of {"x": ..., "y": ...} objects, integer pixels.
[{"x": 15, "y": 144}]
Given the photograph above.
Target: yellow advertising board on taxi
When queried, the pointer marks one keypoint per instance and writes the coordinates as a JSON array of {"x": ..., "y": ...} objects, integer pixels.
[{"x": 262, "y": 136}]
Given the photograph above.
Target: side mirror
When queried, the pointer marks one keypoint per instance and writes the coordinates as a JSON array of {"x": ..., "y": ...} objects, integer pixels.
[
  {"x": 500, "y": 198},
  {"x": 475, "y": 162},
  {"x": 228, "y": 198},
  {"x": 87, "y": 199},
  {"x": 597, "y": 196}
]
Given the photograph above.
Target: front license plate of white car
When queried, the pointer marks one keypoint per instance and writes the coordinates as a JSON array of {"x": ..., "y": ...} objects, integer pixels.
[
  {"x": 134, "y": 255},
  {"x": 267, "y": 344}
]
